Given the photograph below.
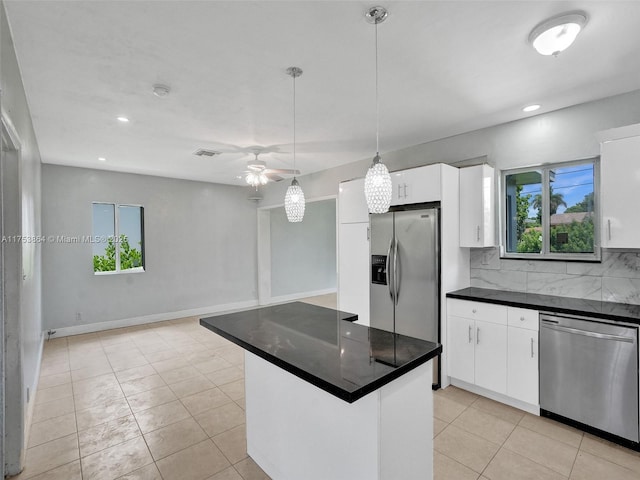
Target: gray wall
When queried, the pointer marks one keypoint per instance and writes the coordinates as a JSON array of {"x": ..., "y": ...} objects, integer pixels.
[
  {"x": 29, "y": 323},
  {"x": 200, "y": 247},
  {"x": 563, "y": 135},
  {"x": 303, "y": 255},
  {"x": 566, "y": 134}
]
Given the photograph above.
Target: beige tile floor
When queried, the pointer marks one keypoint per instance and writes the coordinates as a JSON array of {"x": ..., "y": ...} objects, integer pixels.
[
  {"x": 165, "y": 401},
  {"x": 159, "y": 401},
  {"x": 477, "y": 438}
]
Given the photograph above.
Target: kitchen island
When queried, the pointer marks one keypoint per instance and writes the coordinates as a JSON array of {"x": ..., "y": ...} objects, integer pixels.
[{"x": 327, "y": 398}]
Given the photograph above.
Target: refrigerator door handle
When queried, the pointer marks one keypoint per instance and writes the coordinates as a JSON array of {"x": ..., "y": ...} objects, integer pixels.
[
  {"x": 388, "y": 271},
  {"x": 396, "y": 268}
]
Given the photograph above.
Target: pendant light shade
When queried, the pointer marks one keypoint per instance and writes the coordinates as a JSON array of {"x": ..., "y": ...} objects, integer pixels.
[
  {"x": 377, "y": 183},
  {"x": 294, "y": 202},
  {"x": 377, "y": 187}
]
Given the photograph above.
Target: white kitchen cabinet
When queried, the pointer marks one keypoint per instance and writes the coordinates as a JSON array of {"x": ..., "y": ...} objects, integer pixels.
[
  {"x": 462, "y": 348},
  {"x": 522, "y": 362},
  {"x": 353, "y": 270},
  {"x": 619, "y": 179},
  {"x": 491, "y": 354},
  {"x": 352, "y": 204},
  {"x": 477, "y": 206},
  {"x": 416, "y": 185},
  {"x": 478, "y": 346},
  {"x": 494, "y": 347}
]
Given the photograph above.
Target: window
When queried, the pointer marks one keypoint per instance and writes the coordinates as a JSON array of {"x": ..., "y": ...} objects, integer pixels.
[
  {"x": 118, "y": 238},
  {"x": 551, "y": 211}
]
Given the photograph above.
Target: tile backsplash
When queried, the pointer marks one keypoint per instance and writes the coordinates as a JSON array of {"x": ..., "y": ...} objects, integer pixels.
[{"x": 615, "y": 279}]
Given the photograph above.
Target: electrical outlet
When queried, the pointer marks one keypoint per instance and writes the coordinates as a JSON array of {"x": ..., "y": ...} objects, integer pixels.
[
  {"x": 78, "y": 317},
  {"x": 485, "y": 258}
]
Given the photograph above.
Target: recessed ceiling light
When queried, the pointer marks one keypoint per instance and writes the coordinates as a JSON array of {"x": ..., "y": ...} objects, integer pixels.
[
  {"x": 123, "y": 119},
  {"x": 557, "y": 33},
  {"x": 102, "y": 159},
  {"x": 531, "y": 108}
]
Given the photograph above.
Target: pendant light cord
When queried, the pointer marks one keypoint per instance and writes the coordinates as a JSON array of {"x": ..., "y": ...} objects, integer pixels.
[
  {"x": 377, "y": 103},
  {"x": 294, "y": 125}
]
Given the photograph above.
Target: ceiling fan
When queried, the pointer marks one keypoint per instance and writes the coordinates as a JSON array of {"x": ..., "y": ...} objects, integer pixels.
[{"x": 258, "y": 174}]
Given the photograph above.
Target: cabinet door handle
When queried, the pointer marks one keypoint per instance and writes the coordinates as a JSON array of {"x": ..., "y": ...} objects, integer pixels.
[
  {"x": 532, "y": 348},
  {"x": 478, "y": 336},
  {"x": 405, "y": 190},
  {"x": 609, "y": 227},
  {"x": 470, "y": 338},
  {"x": 478, "y": 232},
  {"x": 399, "y": 194}
]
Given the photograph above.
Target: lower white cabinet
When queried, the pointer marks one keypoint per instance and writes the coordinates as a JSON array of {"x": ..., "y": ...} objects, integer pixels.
[
  {"x": 477, "y": 352},
  {"x": 489, "y": 351},
  {"x": 522, "y": 365},
  {"x": 462, "y": 348}
]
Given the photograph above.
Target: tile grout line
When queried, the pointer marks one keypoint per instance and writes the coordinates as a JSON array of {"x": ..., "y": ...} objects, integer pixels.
[{"x": 573, "y": 465}]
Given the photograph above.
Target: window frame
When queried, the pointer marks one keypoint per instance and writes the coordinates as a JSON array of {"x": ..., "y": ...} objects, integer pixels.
[
  {"x": 116, "y": 233},
  {"x": 546, "y": 253}
]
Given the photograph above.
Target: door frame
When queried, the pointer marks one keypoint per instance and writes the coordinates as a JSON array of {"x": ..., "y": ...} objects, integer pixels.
[
  {"x": 13, "y": 404},
  {"x": 264, "y": 246}
]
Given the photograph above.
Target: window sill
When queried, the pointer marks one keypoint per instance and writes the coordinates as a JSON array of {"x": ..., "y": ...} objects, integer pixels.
[
  {"x": 121, "y": 272},
  {"x": 567, "y": 257}
]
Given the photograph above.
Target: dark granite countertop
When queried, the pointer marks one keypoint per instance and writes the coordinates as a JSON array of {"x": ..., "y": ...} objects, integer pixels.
[
  {"x": 620, "y": 312},
  {"x": 323, "y": 346}
]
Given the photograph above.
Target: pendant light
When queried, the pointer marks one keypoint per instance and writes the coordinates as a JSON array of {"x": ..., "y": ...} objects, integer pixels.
[
  {"x": 377, "y": 183},
  {"x": 294, "y": 198}
]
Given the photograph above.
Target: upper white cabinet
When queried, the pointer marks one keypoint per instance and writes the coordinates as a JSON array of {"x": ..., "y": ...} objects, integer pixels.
[
  {"x": 477, "y": 206},
  {"x": 352, "y": 204},
  {"x": 619, "y": 180},
  {"x": 416, "y": 185}
]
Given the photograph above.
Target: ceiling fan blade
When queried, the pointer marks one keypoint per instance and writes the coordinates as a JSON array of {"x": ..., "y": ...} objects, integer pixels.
[
  {"x": 275, "y": 178},
  {"x": 283, "y": 171}
]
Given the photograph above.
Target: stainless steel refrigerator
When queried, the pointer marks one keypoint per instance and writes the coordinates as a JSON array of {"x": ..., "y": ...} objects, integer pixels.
[{"x": 405, "y": 273}]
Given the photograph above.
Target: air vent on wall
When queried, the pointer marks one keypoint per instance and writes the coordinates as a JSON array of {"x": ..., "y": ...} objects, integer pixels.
[{"x": 206, "y": 153}]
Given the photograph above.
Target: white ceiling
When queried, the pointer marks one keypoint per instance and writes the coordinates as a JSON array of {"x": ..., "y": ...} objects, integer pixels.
[{"x": 446, "y": 67}]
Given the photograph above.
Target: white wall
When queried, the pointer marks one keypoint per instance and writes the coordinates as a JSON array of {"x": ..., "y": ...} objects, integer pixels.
[
  {"x": 23, "y": 342},
  {"x": 566, "y": 134},
  {"x": 303, "y": 255},
  {"x": 200, "y": 247}
]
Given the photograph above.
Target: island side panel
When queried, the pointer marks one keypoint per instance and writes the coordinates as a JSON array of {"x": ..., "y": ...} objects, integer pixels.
[
  {"x": 406, "y": 426},
  {"x": 298, "y": 431}
]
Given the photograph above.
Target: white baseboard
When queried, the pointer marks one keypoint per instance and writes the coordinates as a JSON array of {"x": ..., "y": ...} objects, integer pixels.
[
  {"x": 156, "y": 317},
  {"x": 33, "y": 389},
  {"x": 298, "y": 296},
  {"x": 498, "y": 397}
]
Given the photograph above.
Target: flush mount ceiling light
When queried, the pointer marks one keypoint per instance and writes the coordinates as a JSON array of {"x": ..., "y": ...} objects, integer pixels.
[
  {"x": 294, "y": 202},
  {"x": 531, "y": 108},
  {"x": 377, "y": 183},
  {"x": 557, "y": 33},
  {"x": 160, "y": 90},
  {"x": 123, "y": 119}
]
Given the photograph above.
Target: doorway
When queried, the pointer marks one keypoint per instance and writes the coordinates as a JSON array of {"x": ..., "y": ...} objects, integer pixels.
[{"x": 297, "y": 260}]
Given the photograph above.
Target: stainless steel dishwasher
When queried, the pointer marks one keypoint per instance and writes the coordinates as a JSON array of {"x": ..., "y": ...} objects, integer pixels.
[{"x": 589, "y": 373}]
